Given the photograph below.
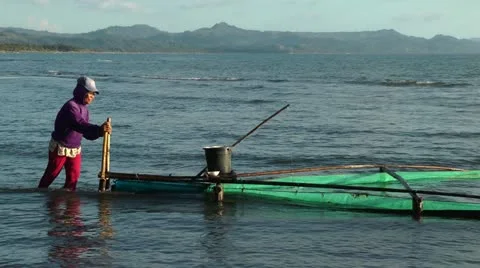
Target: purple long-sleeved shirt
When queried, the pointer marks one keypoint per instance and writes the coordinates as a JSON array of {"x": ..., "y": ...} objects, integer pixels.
[{"x": 72, "y": 123}]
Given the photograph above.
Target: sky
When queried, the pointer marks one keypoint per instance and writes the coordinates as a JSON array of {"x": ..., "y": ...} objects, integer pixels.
[{"x": 421, "y": 18}]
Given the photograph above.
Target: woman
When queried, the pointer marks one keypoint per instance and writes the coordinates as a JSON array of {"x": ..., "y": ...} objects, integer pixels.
[{"x": 71, "y": 125}]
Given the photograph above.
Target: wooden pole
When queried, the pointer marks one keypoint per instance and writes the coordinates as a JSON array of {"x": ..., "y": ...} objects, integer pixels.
[
  {"x": 218, "y": 192},
  {"x": 102, "y": 184}
]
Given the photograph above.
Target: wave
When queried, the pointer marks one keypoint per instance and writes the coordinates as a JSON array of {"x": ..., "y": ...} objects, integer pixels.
[
  {"x": 250, "y": 87},
  {"x": 258, "y": 101},
  {"x": 278, "y": 80},
  {"x": 72, "y": 74},
  {"x": 123, "y": 126},
  {"x": 9, "y": 77},
  {"x": 60, "y": 192},
  {"x": 21, "y": 59},
  {"x": 408, "y": 83},
  {"x": 60, "y": 73},
  {"x": 138, "y": 78},
  {"x": 52, "y": 74},
  {"x": 222, "y": 79},
  {"x": 299, "y": 161}
]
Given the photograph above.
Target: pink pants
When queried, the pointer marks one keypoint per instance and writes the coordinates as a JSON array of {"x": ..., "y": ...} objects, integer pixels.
[{"x": 54, "y": 167}]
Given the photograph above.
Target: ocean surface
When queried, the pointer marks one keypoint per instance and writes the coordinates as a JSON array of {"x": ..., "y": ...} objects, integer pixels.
[{"x": 344, "y": 109}]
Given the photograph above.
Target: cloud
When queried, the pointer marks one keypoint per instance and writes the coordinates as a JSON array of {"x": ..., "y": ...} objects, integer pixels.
[
  {"x": 41, "y": 2},
  {"x": 110, "y": 5},
  {"x": 424, "y": 17},
  {"x": 432, "y": 17},
  {"x": 197, "y": 4},
  {"x": 42, "y": 25},
  {"x": 304, "y": 3}
]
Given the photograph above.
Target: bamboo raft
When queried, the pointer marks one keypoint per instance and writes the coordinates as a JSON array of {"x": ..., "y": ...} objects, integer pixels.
[
  {"x": 373, "y": 188},
  {"x": 378, "y": 192}
]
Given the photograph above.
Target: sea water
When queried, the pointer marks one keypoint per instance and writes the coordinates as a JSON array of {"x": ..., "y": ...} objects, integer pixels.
[{"x": 344, "y": 109}]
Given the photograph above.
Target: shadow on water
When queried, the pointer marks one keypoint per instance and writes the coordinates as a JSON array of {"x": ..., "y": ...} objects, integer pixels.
[{"x": 74, "y": 240}]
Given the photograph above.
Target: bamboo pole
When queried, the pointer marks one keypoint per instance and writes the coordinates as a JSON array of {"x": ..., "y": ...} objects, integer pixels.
[
  {"x": 104, "y": 159},
  {"x": 426, "y": 167},
  {"x": 149, "y": 177},
  {"x": 105, "y": 167},
  {"x": 165, "y": 178},
  {"x": 169, "y": 178},
  {"x": 303, "y": 170},
  {"x": 107, "y": 159},
  {"x": 326, "y": 168},
  {"x": 259, "y": 125}
]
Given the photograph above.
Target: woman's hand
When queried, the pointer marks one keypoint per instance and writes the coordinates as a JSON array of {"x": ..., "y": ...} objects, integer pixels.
[{"x": 106, "y": 127}]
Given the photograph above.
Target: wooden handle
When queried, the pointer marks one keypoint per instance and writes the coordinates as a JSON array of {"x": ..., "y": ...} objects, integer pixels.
[
  {"x": 107, "y": 157},
  {"x": 105, "y": 168}
]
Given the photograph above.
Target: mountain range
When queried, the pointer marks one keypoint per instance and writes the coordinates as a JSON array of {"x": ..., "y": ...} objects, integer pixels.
[{"x": 223, "y": 37}]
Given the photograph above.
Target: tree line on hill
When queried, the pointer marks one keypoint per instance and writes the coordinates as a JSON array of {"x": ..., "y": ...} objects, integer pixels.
[{"x": 223, "y": 37}]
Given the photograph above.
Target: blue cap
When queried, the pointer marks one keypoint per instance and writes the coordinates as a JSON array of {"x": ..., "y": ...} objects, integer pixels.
[{"x": 87, "y": 83}]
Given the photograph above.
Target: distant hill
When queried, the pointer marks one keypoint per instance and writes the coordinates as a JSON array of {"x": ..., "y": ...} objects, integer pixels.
[
  {"x": 138, "y": 31},
  {"x": 223, "y": 37}
]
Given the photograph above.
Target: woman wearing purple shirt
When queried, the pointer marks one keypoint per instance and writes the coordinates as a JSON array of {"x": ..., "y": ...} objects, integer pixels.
[{"x": 71, "y": 125}]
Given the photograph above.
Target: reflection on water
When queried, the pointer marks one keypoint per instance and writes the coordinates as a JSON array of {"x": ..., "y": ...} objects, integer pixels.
[
  {"x": 75, "y": 242},
  {"x": 218, "y": 221},
  {"x": 106, "y": 231},
  {"x": 67, "y": 229},
  {"x": 104, "y": 213}
]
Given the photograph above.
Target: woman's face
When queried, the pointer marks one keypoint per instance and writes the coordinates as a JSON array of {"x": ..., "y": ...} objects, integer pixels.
[{"x": 89, "y": 98}]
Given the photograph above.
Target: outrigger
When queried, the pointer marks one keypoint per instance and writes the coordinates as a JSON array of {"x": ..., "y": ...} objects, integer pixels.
[{"x": 373, "y": 188}]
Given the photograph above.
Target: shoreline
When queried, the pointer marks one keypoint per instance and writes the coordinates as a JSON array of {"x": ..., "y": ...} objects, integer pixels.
[{"x": 226, "y": 52}]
